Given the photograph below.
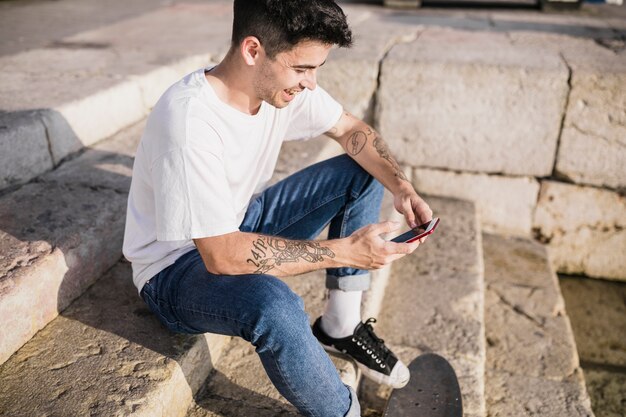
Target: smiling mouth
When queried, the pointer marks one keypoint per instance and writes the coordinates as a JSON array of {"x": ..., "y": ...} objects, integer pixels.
[{"x": 292, "y": 92}]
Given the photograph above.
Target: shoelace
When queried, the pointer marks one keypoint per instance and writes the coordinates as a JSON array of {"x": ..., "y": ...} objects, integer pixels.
[{"x": 373, "y": 342}]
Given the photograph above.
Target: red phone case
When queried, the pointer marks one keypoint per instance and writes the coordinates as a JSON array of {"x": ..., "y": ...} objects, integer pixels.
[{"x": 421, "y": 235}]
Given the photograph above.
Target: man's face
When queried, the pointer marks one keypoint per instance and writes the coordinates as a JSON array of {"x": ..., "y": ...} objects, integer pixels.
[{"x": 278, "y": 81}]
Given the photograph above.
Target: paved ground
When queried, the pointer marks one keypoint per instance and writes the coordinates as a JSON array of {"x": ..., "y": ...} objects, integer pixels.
[{"x": 29, "y": 24}]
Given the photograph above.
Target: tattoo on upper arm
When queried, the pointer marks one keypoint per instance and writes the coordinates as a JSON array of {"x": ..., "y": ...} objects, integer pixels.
[
  {"x": 269, "y": 252},
  {"x": 385, "y": 153},
  {"x": 356, "y": 142}
]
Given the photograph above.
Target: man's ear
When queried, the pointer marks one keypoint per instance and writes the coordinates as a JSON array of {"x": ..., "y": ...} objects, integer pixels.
[{"x": 251, "y": 49}]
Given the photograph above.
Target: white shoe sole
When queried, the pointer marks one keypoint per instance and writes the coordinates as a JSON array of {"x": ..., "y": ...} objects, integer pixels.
[{"x": 370, "y": 373}]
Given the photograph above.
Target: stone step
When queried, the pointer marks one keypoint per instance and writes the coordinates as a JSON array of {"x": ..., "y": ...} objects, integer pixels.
[
  {"x": 532, "y": 361},
  {"x": 107, "y": 355},
  {"x": 597, "y": 311},
  {"x": 59, "y": 234},
  {"x": 434, "y": 303},
  {"x": 107, "y": 338}
]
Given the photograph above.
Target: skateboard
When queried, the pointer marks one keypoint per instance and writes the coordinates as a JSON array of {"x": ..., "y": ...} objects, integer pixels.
[{"x": 433, "y": 391}]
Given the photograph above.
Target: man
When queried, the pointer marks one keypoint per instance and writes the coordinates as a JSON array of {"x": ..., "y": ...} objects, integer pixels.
[{"x": 208, "y": 240}]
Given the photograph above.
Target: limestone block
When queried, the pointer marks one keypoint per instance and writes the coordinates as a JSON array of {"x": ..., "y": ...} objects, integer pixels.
[
  {"x": 518, "y": 271},
  {"x": 98, "y": 116},
  {"x": 526, "y": 396},
  {"x": 28, "y": 293},
  {"x": 607, "y": 391},
  {"x": 24, "y": 151},
  {"x": 351, "y": 75},
  {"x": 592, "y": 146},
  {"x": 108, "y": 164},
  {"x": 583, "y": 228},
  {"x": 527, "y": 330},
  {"x": 532, "y": 362},
  {"x": 55, "y": 241},
  {"x": 597, "y": 311},
  {"x": 505, "y": 204},
  {"x": 593, "y": 143},
  {"x": 472, "y": 101},
  {"x": 60, "y": 234},
  {"x": 107, "y": 354}
]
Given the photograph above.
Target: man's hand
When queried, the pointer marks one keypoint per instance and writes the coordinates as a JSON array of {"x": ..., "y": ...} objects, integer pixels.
[
  {"x": 413, "y": 207},
  {"x": 368, "y": 250}
]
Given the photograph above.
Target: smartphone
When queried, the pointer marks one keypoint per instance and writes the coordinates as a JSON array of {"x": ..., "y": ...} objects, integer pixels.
[{"x": 418, "y": 232}]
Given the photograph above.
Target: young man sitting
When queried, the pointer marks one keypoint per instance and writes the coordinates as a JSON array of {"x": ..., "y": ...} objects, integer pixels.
[{"x": 208, "y": 240}]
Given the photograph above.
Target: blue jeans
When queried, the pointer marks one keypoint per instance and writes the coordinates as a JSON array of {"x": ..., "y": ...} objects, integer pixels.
[{"x": 262, "y": 309}]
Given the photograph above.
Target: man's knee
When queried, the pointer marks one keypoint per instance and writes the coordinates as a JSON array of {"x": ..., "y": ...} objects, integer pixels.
[
  {"x": 278, "y": 309},
  {"x": 369, "y": 183}
]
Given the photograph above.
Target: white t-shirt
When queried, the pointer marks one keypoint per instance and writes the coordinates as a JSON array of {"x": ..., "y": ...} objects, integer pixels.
[{"x": 199, "y": 163}]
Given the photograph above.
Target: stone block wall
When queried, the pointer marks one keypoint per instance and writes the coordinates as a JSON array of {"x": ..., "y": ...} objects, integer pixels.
[{"x": 529, "y": 126}]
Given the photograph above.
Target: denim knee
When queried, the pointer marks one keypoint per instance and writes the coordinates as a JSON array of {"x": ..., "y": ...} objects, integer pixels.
[
  {"x": 369, "y": 183},
  {"x": 278, "y": 313}
]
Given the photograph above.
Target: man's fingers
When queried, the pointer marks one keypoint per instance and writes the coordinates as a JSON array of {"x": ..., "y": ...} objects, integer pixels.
[
  {"x": 401, "y": 248},
  {"x": 384, "y": 227},
  {"x": 424, "y": 212},
  {"x": 409, "y": 216}
]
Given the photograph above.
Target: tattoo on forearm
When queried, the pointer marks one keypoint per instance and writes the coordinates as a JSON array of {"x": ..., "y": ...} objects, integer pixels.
[
  {"x": 356, "y": 142},
  {"x": 383, "y": 151},
  {"x": 269, "y": 252}
]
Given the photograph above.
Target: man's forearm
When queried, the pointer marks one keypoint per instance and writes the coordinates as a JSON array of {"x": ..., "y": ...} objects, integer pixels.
[
  {"x": 288, "y": 257},
  {"x": 248, "y": 253},
  {"x": 370, "y": 151}
]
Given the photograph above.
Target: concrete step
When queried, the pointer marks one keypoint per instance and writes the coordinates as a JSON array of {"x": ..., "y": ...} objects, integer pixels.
[
  {"x": 107, "y": 355},
  {"x": 434, "y": 303},
  {"x": 532, "y": 361},
  {"x": 99, "y": 81},
  {"x": 59, "y": 234}
]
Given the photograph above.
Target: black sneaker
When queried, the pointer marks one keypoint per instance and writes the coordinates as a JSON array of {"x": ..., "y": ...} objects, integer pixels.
[{"x": 374, "y": 359}]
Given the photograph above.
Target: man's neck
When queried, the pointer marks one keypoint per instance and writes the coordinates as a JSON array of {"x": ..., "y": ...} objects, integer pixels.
[{"x": 233, "y": 86}]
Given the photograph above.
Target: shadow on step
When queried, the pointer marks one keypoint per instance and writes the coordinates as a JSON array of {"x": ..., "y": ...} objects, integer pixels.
[
  {"x": 139, "y": 345},
  {"x": 223, "y": 397}
]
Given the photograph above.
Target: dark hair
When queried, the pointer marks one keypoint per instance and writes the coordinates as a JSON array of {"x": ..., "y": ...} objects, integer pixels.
[{"x": 281, "y": 24}]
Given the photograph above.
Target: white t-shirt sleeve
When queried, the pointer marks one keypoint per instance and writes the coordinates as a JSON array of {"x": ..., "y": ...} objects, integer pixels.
[
  {"x": 192, "y": 195},
  {"x": 314, "y": 112}
]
